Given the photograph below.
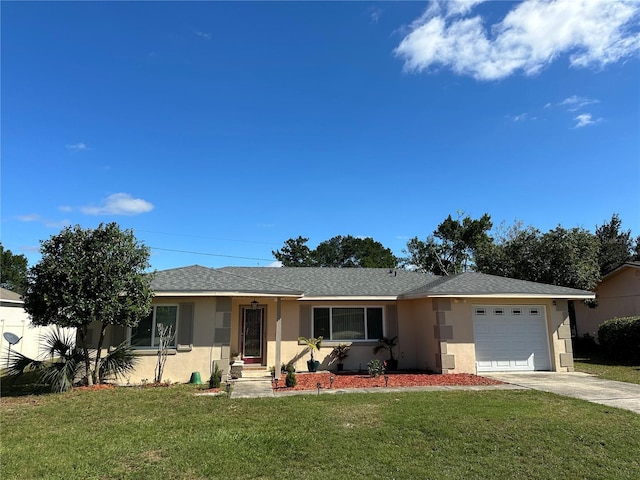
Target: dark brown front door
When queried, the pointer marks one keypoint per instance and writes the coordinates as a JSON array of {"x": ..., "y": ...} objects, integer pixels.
[{"x": 252, "y": 335}]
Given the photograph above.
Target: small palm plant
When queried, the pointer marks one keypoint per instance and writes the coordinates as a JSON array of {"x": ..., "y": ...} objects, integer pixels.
[
  {"x": 340, "y": 352},
  {"x": 63, "y": 362},
  {"x": 386, "y": 343},
  {"x": 313, "y": 344}
]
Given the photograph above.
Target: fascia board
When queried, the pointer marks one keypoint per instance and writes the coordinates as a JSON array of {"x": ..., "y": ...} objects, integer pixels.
[{"x": 501, "y": 295}]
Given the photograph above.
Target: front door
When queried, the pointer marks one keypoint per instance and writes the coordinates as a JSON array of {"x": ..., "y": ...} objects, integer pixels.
[{"x": 252, "y": 340}]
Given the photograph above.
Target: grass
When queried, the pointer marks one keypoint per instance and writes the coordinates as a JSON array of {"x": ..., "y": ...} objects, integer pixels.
[
  {"x": 596, "y": 365},
  {"x": 132, "y": 433}
]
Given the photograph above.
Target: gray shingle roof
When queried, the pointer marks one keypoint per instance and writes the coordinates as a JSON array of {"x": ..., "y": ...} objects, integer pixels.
[
  {"x": 202, "y": 279},
  {"x": 474, "y": 283},
  {"x": 9, "y": 295},
  {"x": 346, "y": 282}
]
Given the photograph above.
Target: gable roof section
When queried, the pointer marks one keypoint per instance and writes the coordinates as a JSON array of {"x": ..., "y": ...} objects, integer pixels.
[
  {"x": 475, "y": 284},
  {"x": 348, "y": 283},
  {"x": 617, "y": 270},
  {"x": 7, "y": 296},
  {"x": 314, "y": 283},
  {"x": 198, "y": 280}
]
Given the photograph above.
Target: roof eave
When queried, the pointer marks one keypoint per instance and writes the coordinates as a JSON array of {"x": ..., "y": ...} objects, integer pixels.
[
  {"x": 208, "y": 293},
  {"x": 501, "y": 295},
  {"x": 321, "y": 298}
]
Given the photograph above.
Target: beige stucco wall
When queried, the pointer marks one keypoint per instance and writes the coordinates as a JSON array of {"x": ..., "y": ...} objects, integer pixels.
[
  {"x": 434, "y": 334},
  {"x": 618, "y": 296},
  {"x": 454, "y": 317},
  {"x": 181, "y": 364}
]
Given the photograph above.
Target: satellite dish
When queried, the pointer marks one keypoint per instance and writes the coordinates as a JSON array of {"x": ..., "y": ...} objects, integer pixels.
[{"x": 12, "y": 338}]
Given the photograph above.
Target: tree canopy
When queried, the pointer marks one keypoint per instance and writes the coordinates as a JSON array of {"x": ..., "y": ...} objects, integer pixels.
[
  {"x": 13, "y": 270},
  {"x": 566, "y": 257},
  {"x": 451, "y": 248},
  {"x": 90, "y": 275},
  {"x": 616, "y": 245},
  {"x": 338, "y": 251}
]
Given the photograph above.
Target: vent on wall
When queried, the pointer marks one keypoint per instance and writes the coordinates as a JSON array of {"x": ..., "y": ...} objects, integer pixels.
[
  {"x": 481, "y": 311},
  {"x": 516, "y": 311},
  {"x": 534, "y": 311},
  {"x": 498, "y": 311}
]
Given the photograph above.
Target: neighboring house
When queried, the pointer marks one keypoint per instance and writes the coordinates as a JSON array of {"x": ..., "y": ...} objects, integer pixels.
[
  {"x": 466, "y": 323},
  {"x": 15, "y": 320},
  {"x": 617, "y": 294}
]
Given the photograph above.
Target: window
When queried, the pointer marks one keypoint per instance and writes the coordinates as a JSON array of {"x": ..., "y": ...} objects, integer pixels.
[
  {"x": 348, "y": 323},
  {"x": 146, "y": 333}
]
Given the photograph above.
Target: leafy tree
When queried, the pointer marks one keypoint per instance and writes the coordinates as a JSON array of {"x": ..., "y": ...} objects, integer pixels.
[
  {"x": 294, "y": 253},
  {"x": 615, "y": 245},
  {"x": 13, "y": 270},
  {"x": 88, "y": 276},
  {"x": 338, "y": 251},
  {"x": 350, "y": 251},
  {"x": 566, "y": 257},
  {"x": 452, "y": 246}
]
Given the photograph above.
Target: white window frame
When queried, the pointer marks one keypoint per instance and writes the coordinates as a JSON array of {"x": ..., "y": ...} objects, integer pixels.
[
  {"x": 366, "y": 326},
  {"x": 154, "y": 328}
]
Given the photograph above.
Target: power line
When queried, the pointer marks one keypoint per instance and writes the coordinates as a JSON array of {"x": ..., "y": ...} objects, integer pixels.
[
  {"x": 205, "y": 236},
  {"x": 211, "y": 254}
]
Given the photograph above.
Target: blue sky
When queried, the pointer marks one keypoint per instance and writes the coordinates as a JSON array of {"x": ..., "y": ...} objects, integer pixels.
[{"x": 228, "y": 128}]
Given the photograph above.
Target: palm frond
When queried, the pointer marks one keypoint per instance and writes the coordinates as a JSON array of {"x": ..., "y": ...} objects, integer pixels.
[{"x": 118, "y": 362}]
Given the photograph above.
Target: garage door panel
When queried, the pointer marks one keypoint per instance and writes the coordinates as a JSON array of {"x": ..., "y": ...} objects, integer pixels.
[{"x": 511, "y": 342}]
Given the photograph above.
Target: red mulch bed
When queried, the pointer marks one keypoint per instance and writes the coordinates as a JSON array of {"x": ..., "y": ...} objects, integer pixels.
[{"x": 309, "y": 381}]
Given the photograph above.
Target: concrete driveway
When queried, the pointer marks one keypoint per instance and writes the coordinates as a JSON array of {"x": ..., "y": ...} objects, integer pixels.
[{"x": 577, "y": 385}]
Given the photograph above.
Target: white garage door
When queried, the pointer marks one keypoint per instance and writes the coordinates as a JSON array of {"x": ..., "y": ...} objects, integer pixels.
[{"x": 511, "y": 338}]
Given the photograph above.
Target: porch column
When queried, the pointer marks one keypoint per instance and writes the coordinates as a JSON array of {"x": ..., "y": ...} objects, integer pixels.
[{"x": 278, "y": 337}]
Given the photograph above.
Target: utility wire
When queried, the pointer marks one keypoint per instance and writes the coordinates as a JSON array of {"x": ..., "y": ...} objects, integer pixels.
[{"x": 211, "y": 254}]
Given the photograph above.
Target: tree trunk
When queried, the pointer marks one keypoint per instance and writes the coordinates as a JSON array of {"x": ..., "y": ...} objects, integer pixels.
[
  {"x": 96, "y": 366},
  {"x": 85, "y": 353}
]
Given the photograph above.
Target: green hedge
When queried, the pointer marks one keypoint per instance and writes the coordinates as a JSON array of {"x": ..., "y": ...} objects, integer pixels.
[{"x": 619, "y": 339}]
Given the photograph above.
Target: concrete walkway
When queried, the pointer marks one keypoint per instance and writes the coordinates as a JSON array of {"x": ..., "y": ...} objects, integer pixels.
[
  {"x": 252, "y": 388},
  {"x": 577, "y": 385}
]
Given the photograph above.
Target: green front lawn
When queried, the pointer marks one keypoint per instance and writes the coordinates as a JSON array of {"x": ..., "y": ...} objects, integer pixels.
[
  {"x": 170, "y": 433},
  {"x": 609, "y": 370}
]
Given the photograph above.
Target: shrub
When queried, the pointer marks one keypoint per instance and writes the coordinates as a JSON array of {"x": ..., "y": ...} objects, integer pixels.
[
  {"x": 215, "y": 380},
  {"x": 376, "y": 367},
  {"x": 585, "y": 346},
  {"x": 291, "y": 381},
  {"x": 619, "y": 339}
]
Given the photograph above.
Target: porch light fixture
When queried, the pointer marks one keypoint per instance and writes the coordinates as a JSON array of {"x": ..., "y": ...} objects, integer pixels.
[{"x": 254, "y": 305}]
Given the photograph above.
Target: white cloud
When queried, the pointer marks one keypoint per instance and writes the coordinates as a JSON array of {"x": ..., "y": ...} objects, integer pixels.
[
  {"x": 119, "y": 204},
  {"x": 204, "y": 35},
  {"x": 533, "y": 34},
  {"x": 32, "y": 217},
  {"x": 78, "y": 147},
  {"x": 585, "y": 119},
  {"x": 574, "y": 102},
  {"x": 374, "y": 14}
]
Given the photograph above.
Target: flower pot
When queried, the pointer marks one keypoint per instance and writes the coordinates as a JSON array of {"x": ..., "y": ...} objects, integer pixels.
[
  {"x": 392, "y": 365},
  {"x": 312, "y": 365}
]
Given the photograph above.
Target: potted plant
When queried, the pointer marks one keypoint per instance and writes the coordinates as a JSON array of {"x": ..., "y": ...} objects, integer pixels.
[
  {"x": 386, "y": 343},
  {"x": 340, "y": 352},
  {"x": 313, "y": 344}
]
